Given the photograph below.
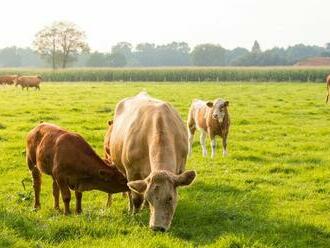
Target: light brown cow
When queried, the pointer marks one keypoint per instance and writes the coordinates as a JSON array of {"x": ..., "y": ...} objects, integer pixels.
[
  {"x": 71, "y": 162},
  {"x": 210, "y": 118},
  {"x": 9, "y": 79},
  {"x": 28, "y": 82},
  {"x": 149, "y": 144},
  {"x": 328, "y": 88}
]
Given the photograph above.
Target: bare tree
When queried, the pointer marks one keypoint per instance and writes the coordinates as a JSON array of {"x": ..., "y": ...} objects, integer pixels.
[{"x": 60, "y": 43}]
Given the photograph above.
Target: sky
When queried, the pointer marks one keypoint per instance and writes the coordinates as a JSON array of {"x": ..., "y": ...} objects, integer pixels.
[{"x": 230, "y": 23}]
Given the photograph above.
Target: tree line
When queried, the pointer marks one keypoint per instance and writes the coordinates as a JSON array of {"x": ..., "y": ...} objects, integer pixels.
[{"x": 64, "y": 45}]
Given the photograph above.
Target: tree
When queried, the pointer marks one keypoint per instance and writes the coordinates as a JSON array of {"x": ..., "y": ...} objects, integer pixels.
[
  {"x": 60, "y": 43},
  {"x": 125, "y": 48},
  {"x": 233, "y": 56},
  {"x": 117, "y": 60},
  {"x": 96, "y": 59},
  {"x": 256, "y": 47},
  {"x": 9, "y": 57},
  {"x": 208, "y": 55},
  {"x": 327, "y": 46}
]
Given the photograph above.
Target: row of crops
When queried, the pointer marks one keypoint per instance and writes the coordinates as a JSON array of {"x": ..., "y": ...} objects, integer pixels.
[{"x": 180, "y": 74}]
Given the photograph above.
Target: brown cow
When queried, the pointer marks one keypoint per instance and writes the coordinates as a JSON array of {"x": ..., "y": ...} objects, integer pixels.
[
  {"x": 72, "y": 163},
  {"x": 210, "y": 118},
  {"x": 28, "y": 82},
  {"x": 10, "y": 79},
  {"x": 328, "y": 88},
  {"x": 149, "y": 144}
]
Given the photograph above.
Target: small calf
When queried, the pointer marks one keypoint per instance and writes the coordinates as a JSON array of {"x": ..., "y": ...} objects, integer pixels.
[
  {"x": 28, "y": 82},
  {"x": 210, "y": 118},
  {"x": 71, "y": 162}
]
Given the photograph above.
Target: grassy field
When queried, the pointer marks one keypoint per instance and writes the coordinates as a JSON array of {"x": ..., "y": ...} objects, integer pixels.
[{"x": 273, "y": 190}]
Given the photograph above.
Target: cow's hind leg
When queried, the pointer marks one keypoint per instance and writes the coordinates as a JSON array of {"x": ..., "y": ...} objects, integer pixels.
[
  {"x": 56, "y": 194},
  {"x": 109, "y": 201},
  {"x": 202, "y": 141},
  {"x": 36, "y": 176},
  {"x": 66, "y": 195}
]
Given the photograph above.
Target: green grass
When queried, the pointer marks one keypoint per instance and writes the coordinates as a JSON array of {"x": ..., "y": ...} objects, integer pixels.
[{"x": 273, "y": 190}]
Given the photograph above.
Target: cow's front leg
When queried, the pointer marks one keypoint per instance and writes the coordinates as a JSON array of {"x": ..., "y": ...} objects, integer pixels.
[
  {"x": 202, "y": 141},
  {"x": 137, "y": 200},
  {"x": 213, "y": 146}
]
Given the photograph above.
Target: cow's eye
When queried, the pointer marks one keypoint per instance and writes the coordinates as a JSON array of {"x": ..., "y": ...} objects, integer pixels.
[{"x": 169, "y": 199}]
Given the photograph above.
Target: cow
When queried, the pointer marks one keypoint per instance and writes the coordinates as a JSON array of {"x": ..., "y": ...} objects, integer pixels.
[
  {"x": 9, "y": 79},
  {"x": 28, "y": 82},
  {"x": 71, "y": 162},
  {"x": 149, "y": 145},
  {"x": 328, "y": 88},
  {"x": 212, "y": 119}
]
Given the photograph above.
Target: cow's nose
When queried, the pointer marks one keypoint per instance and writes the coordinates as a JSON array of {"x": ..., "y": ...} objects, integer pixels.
[{"x": 158, "y": 229}]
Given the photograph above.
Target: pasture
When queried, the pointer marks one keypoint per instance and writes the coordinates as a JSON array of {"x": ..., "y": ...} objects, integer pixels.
[{"x": 273, "y": 190}]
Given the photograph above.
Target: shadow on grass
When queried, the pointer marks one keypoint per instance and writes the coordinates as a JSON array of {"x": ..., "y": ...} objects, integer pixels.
[{"x": 204, "y": 220}]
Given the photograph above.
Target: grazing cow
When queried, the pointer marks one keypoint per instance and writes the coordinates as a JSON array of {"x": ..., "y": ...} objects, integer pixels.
[
  {"x": 72, "y": 163},
  {"x": 8, "y": 79},
  {"x": 210, "y": 118},
  {"x": 149, "y": 144},
  {"x": 28, "y": 82},
  {"x": 328, "y": 88}
]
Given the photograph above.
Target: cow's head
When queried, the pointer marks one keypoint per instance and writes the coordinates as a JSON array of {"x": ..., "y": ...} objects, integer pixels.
[
  {"x": 219, "y": 109},
  {"x": 159, "y": 190}
]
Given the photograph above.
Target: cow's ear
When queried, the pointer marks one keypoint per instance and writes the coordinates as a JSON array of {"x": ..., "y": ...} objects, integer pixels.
[
  {"x": 110, "y": 122},
  {"x": 185, "y": 178},
  {"x": 226, "y": 103},
  {"x": 138, "y": 186},
  {"x": 209, "y": 104}
]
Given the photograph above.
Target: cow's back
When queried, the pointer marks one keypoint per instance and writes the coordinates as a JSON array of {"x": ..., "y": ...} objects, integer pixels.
[{"x": 146, "y": 133}]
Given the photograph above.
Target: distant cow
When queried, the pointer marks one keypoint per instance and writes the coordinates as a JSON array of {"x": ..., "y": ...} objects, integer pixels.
[
  {"x": 210, "y": 118},
  {"x": 149, "y": 144},
  {"x": 71, "y": 162},
  {"x": 28, "y": 82},
  {"x": 328, "y": 88},
  {"x": 9, "y": 79}
]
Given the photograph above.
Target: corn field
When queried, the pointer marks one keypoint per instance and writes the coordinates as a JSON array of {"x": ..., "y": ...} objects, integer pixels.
[{"x": 180, "y": 74}]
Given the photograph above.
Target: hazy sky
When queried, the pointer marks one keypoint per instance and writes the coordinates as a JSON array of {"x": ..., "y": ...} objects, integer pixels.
[{"x": 230, "y": 23}]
